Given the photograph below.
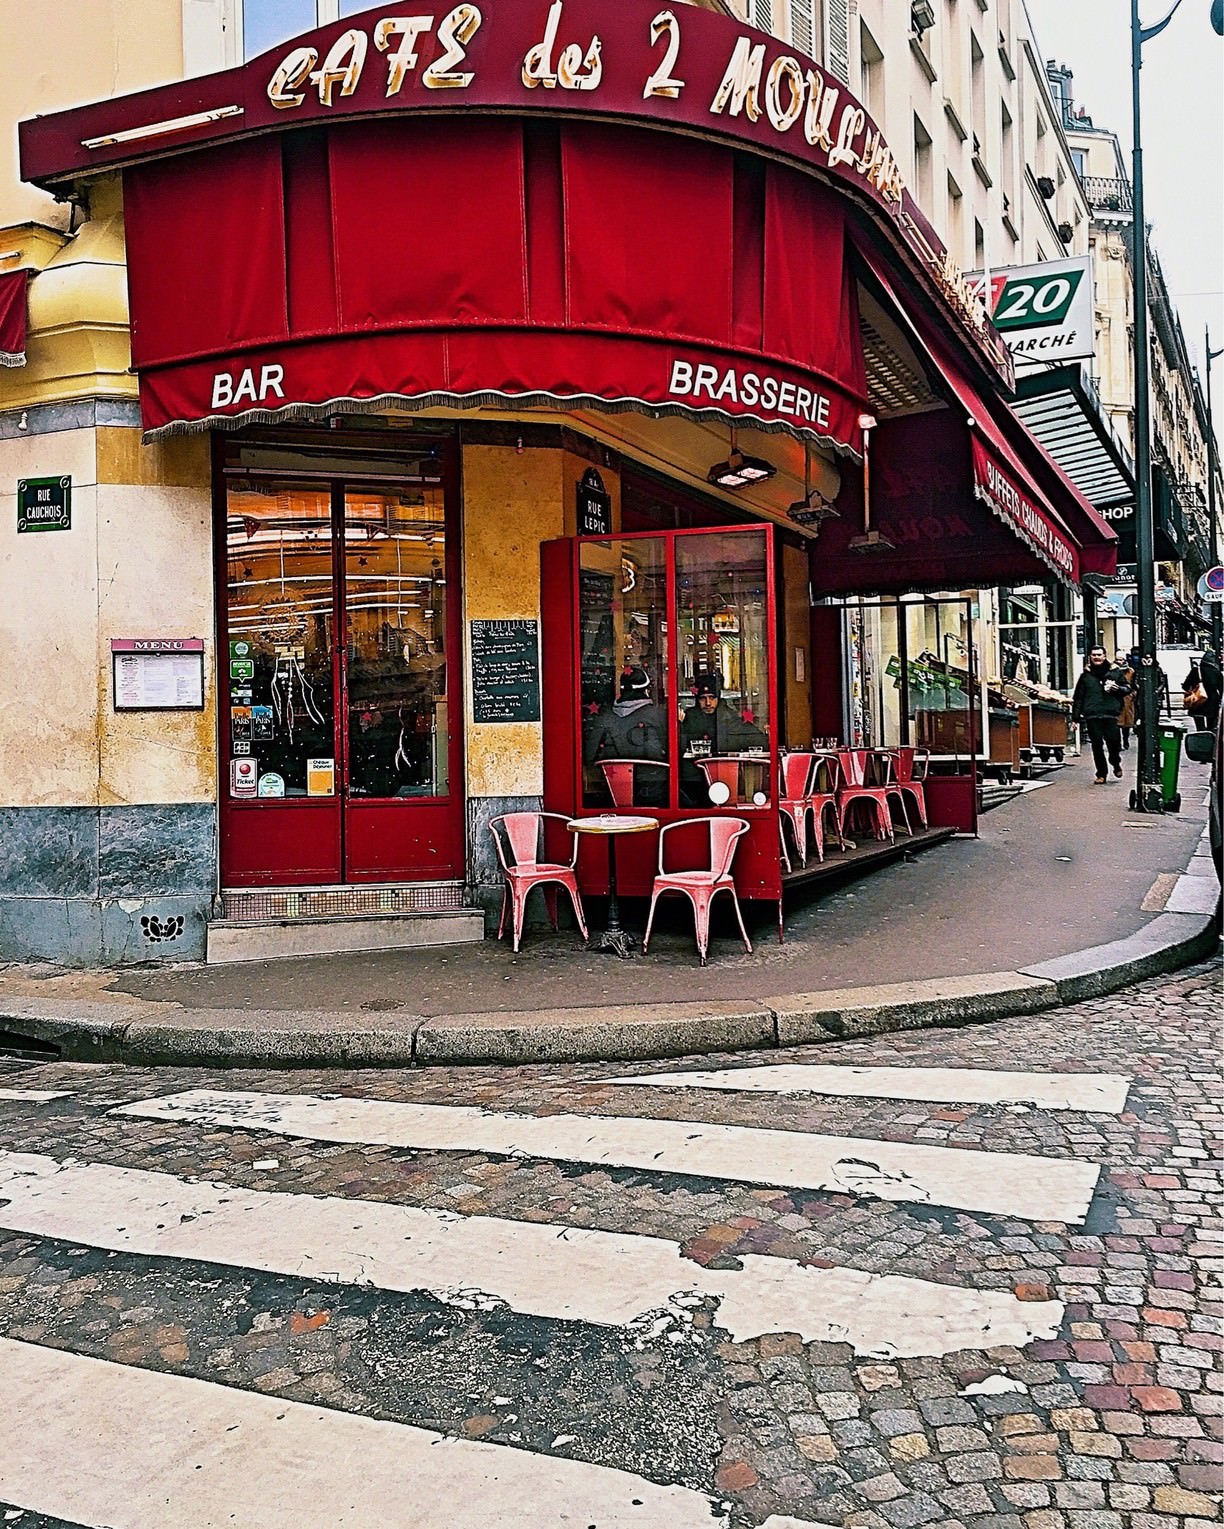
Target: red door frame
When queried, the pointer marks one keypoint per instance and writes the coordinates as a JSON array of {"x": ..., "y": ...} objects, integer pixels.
[{"x": 340, "y": 839}]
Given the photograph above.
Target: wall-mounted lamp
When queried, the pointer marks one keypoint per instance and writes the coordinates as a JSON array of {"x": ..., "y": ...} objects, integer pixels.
[
  {"x": 813, "y": 508},
  {"x": 869, "y": 541},
  {"x": 738, "y": 471}
]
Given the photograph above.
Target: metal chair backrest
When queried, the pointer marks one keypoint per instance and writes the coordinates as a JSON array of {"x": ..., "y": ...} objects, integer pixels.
[
  {"x": 797, "y": 772},
  {"x": 724, "y": 835},
  {"x": 826, "y": 773},
  {"x": 853, "y": 764},
  {"x": 621, "y": 777},
  {"x": 523, "y": 831}
]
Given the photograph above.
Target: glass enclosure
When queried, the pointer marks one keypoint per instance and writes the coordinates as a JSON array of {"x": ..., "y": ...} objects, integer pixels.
[
  {"x": 1037, "y": 633},
  {"x": 914, "y": 674},
  {"x": 676, "y": 669}
]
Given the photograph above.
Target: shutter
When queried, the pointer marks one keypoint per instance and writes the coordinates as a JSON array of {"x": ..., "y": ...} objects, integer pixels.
[
  {"x": 803, "y": 26},
  {"x": 837, "y": 39},
  {"x": 760, "y": 14}
]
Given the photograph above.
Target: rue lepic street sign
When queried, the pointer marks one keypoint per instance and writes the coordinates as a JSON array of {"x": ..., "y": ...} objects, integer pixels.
[
  {"x": 1211, "y": 585},
  {"x": 44, "y": 504}
]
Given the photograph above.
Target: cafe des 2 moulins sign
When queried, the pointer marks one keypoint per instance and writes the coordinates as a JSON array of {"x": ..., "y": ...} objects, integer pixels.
[
  {"x": 684, "y": 67},
  {"x": 44, "y": 504}
]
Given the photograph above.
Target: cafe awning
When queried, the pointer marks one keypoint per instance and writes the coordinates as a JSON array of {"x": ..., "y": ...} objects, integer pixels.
[
  {"x": 13, "y": 290},
  {"x": 1061, "y": 409}
]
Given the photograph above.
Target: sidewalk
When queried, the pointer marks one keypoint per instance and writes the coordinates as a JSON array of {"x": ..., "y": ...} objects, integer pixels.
[{"x": 1061, "y": 897}]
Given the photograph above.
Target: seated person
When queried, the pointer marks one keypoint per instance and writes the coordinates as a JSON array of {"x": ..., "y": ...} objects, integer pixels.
[
  {"x": 633, "y": 727},
  {"x": 709, "y": 727}
]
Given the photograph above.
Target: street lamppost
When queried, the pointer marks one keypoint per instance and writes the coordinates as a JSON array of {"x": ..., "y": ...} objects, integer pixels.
[
  {"x": 1213, "y": 534},
  {"x": 1147, "y": 795}
]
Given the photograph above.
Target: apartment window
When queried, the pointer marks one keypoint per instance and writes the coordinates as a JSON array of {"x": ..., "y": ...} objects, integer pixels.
[
  {"x": 803, "y": 26},
  {"x": 760, "y": 14},
  {"x": 1007, "y": 155},
  {"x": 979, "y": 246},
  {"x": 873, "y": 74},
  {"x": 977, "y": 77},
  {"x": 1079, "y": 161},
  {"x": 268, "y": 22},
  {"x": 924, "y": 188},
  {"x": 954, "y": 53},
  {"x": 956, "y": 219}
]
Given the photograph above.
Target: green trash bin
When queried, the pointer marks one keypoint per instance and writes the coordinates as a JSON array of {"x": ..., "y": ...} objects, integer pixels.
[{"x": 1169, "y": 744}]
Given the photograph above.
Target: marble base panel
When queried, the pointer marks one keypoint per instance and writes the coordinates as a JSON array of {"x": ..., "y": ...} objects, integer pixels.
[{"x": 106, "y": 886}]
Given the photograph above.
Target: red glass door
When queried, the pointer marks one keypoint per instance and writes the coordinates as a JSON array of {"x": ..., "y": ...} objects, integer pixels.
[{"x": 341, "y": 742}]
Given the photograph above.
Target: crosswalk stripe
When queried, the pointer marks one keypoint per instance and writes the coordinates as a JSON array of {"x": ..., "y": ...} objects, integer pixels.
[
  {"x": 33, "y": 1095},
  {"x": 556, "y": 1271},
  {"x": 111, "y": 1444},
  {"x": 1000, "y": 1183},
  {"x": 1099, "y": 1092}
]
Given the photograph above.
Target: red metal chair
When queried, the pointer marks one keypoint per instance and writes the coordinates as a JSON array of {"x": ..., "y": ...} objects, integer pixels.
[
  {"x": 524, "y": 832},
  {"x": 724, "y": 772},
  {"x": 621, "y": 777},
  {"x": 796, "y": 803},
  {"x": 826, "y": 782},
  {"x": 855, "y": 767},
  {"x": 701, "y": 886},
  {"x": 910, "y": 766}
]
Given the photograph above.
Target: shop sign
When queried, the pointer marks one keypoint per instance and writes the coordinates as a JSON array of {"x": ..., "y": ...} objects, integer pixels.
[
  {"x": 44, "y": 504},
  {"x": 594, "y": 506},
  {"x": 671, "y": 65},
  {"x": 505, "y": 671},
  {"x": 158, "y": 673},
  {"x": 1043, "y": 312},
  {"x": 993, "y": 486}
]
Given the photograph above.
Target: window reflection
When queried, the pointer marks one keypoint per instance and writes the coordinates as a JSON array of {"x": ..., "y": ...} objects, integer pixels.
[
  {"x": 625, "y": 681},
  {"x": 279, "y": 576},
  {"x": 722, "y": 610},
  {"x": 395, "y": 602}
]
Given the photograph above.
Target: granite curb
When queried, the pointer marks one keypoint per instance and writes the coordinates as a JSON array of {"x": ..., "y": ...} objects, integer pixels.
[{"x": 101, "y": 1031}]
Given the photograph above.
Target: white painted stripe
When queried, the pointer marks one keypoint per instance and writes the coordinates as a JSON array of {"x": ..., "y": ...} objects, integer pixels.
[
  {"x": 1003, "y": 1183},
  {"x": 33, "y": 1095},
  {"x": 110, "y": 1444},
  {"x": 1101, "y": 1092},
  {"x": 555, "y": 1271}
]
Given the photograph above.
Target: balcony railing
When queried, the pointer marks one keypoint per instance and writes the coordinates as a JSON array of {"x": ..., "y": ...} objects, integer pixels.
[{"x": 1108, "y": 195}]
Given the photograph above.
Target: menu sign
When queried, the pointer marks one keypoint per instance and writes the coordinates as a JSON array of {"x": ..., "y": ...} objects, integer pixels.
[
  {"x": 505, "y": 671},
  {"x": 158, "y": 673}
]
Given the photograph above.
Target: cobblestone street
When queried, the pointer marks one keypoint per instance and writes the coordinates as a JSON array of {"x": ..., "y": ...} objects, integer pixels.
[{"x": 760, "y": 1381}]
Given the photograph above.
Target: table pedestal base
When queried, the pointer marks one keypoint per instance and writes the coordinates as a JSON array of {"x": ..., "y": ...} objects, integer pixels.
[{"x": 619, "y": 941}]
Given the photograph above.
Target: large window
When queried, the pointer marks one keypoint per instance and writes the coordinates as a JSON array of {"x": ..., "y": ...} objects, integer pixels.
[{"x": 675, "y": 663}]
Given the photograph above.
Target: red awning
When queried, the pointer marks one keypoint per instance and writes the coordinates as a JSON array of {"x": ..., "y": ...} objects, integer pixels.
[
  {"x": 1012, "y": 472},
  {"x": 577, "y": 264},
  {"x": 13, "y": 285}
]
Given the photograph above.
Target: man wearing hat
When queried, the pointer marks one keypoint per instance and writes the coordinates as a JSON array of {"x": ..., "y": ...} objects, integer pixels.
[
  {"x": 709, "y": 727},
  {"x": 633, "y": 727}
]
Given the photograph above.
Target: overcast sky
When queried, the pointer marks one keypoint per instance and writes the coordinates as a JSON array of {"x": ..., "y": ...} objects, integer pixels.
[{"x": 1183, "y": 138}]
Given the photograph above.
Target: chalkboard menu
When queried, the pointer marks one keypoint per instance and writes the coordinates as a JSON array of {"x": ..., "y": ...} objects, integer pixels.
[{"x": 505, "y": 671}]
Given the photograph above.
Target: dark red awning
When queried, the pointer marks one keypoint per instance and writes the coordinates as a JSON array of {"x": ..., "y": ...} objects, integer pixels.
[
  {"x": 577, "y": 264},
  {"x": 1012, "y": 472},
  {"x": 13, "y": 285}
]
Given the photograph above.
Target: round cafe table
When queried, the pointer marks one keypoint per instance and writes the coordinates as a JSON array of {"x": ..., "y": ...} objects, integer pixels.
[{"x": 609, "y": 825}]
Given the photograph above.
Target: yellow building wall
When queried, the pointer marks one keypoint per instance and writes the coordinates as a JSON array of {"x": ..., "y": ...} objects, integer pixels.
[
  {"x": 137, "y": 562},
  {"x": 62, "y": 53},
  {"x": 512, "y": 501}
]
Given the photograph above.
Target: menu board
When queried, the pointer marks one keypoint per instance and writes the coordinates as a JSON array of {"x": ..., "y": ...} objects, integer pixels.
[
  {"x": 505, "y": 671},
  {"x": 158, "y": 674}
]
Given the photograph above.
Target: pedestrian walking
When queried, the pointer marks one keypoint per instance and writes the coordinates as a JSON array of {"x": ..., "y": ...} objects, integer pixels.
[
  {"x": 1213, "y": 686},
  {"x": 1099, "y": 693},
  {"x": 1126, "y": 717}
]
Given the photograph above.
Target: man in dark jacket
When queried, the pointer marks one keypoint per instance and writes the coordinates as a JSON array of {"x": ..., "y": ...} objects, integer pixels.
[{"x": 1099, "y": 694}]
